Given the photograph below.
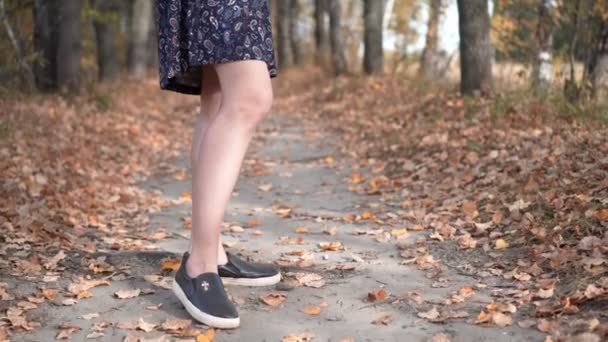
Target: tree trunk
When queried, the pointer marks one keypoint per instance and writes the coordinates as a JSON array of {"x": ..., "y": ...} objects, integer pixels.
[
  {"x": 321, "y": 42},
  {"x": 429, "y": 63},
  {"x": 45, "y": 43},
  {"x": 475, "y": 47},
  {"x": 57, "y": 38},
  {"x": 283, "y": 41},
  {"x": 542, "y": 73},
  {"x": 373, "y": 56},
  {"x": 138, "y": 30},
  {"x": 294, "y": 37},
  {"x": 105, "y": 38},
  {"x": 335, "y": 37},
  {"x": 153, "y": 41},
  {"x": 597, "y": 67},
  {"x": 18, "y": 47},
  {"x": 69, "y": 47}
]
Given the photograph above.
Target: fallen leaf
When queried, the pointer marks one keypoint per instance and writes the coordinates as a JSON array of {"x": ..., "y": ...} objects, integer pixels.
[
  {"x": 384, "y": 320},
  {"x": 236, "y": 229},
  {"x": 366, "y": 215},
  {"x": 547, "y": 326},
  {"x": 377, "y": 295},
  {"x": 331, "y": 246},
  {"x": 126, "y": 294},
  {"x": 90, "y": 316},
  {"x": 84, "y": 285},
  {"x": 302, "y": 230},
  {"x": 273, "y": 299},
  {"x": 305, "y": 337},
  {"x": 602, "y": 214},
  {"x": 265, "y": 187},
  {"x": 145, "y": 326},
  {"x": 171, "y": 264},
  {"x": 501, "y": 244},
  {"x": 313, "y": 310},
  {"x": 254, "y": 222},
  {"x": 175, "y": 324},
  {"x": 432, "y": 314},
  {"x": 331, "y": 231},
  {"x": 399, "y": 232},
  {"x": 66, "y": 332}
]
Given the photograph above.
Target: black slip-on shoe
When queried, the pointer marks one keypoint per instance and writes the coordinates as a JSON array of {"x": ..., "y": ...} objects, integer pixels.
[
  {"x": 205, "y": 299},
  {"x": 241, "y": 272}
]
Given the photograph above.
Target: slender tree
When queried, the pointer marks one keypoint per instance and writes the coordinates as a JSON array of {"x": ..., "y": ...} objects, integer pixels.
[
  {"x": 284, "y": 53},
  {"x": 373, "y": 56},
  {"x": 543, "y": 68},
  {"x": 429, "y": 63},
  {"x": 17, "y": 43},
  {"x": 138, "y": 27},
  {"x": 475, "y": 46},
  {"x": 57, "y": 39},
  {"x": 335, "y": 36},
  {"x": 294, "y": 36},
  {"x": 321, "y": 38},
  {"x": 104, "y": 23},
  {"x": 596, "y": 69}
]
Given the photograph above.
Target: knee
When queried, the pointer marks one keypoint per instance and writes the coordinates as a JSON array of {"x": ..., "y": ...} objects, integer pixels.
[{"x": 252, "y": 106}]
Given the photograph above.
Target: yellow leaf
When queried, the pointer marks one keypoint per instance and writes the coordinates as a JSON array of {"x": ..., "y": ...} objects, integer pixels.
[
  {"x": 329, "y": 160},
  {"x": 398, "y": 232},
  {"x": 202, "y": 338},
  {"x": 313, "y": 310},
  {"x": 331, "y": 246},
  {"x": 366, "y": 215},
  {"x": 501, "y": 244},
  {"x": 302, "y": 230}
]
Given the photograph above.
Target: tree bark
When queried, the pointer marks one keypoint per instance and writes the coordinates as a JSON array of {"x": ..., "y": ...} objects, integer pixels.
[
  {"x": 283, "y": 41},
  {"x": 139, "y": 21},
  {"x": 105, "y": 38},
  {"x": 542, "y": 72},
  {"x": 294, "y": 37},
  {"x": 335, "y": 36},
  {"x": 45, "y": 43},
  {"x": 597, "y": 67},
  {"x": 475, "y": 47},
  {"x": 321, "y": 42},
  {"x": 17, "y": 46},
  {"x": 69, "y": 47},
  {"x": 373, "y": 56},
  {"x": 429, "y": 63},
  {"x": 57, "y": 38}
]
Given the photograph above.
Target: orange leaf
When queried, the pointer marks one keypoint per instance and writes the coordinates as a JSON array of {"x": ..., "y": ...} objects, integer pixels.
[
  {"x": 170, "y": 264},
  {"x": 377, "y": 295}
]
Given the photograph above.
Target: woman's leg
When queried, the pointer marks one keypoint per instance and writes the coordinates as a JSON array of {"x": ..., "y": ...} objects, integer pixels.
[
  {"x": 246, "y": 97},
  {"x": 211, "y": 98}
]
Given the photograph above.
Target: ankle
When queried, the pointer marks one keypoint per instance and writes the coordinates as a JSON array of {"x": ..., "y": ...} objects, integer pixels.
[
  {"x": 222, "y": 258},
  {"x": 194, "y": 268}
]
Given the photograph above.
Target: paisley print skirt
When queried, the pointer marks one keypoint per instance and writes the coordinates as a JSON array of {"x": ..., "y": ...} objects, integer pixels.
[{"x": 193, "y": 33}]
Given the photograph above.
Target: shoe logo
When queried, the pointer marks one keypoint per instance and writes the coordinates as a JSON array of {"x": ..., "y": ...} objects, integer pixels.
[{"x": 205, "y": 285}]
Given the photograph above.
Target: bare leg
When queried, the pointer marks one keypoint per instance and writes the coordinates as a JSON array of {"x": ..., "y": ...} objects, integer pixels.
[
  {"x": 246, "y": 98},
  {"x": 211, "y": 98}
]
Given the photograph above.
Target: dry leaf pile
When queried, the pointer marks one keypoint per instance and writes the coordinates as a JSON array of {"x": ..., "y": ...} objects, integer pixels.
[{"x": 520, "y": 192}]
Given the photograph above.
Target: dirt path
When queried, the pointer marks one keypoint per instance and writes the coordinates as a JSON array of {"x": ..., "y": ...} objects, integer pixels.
[{"x": 288, "y": 182}]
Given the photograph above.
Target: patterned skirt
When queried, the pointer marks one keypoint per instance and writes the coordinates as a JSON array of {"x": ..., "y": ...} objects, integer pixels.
[{"x": 194, "y": 33}]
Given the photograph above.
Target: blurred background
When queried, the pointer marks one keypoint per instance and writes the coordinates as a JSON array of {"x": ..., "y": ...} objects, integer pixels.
[{"x": 52, "y": 45}]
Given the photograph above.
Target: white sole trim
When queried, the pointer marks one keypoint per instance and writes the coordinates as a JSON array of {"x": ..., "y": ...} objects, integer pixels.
[
  {"x": 210, "y": 320},
  {"x": 266, "y": 281}
]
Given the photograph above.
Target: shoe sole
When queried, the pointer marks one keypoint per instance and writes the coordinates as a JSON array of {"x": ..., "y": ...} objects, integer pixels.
[
  {"x": 266, "y": 281},
  {"x": 210, "y": 320}
]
